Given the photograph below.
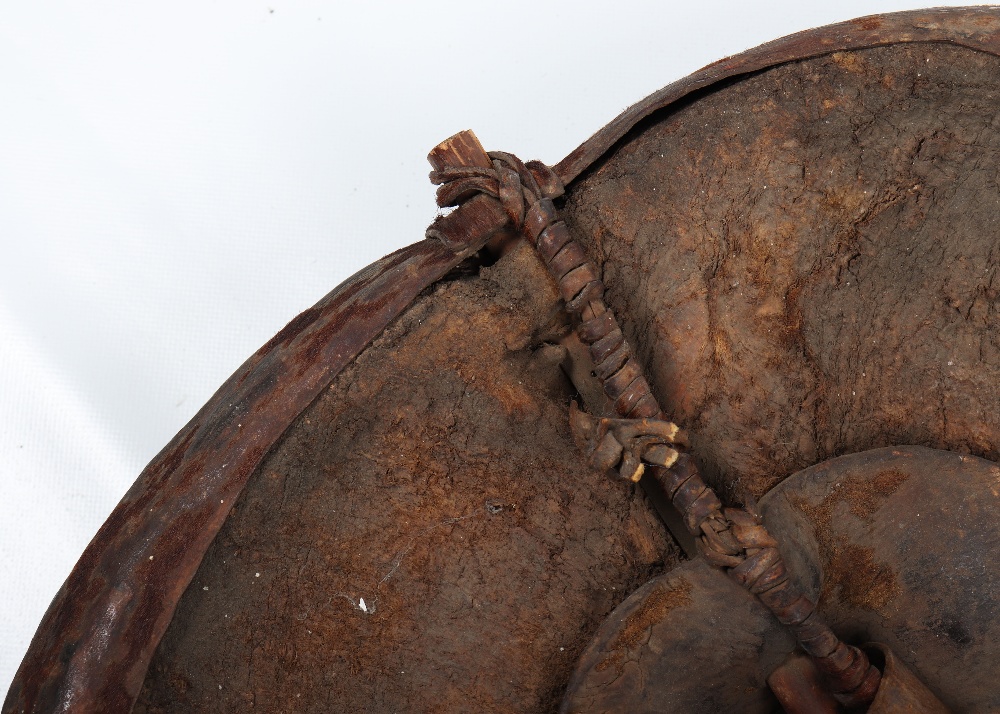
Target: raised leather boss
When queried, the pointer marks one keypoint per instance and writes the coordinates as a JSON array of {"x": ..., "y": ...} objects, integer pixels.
[{"x": 767, "y": 294}]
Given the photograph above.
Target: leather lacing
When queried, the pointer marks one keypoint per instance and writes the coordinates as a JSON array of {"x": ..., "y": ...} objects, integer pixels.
[{"x": 643, "y": 441}]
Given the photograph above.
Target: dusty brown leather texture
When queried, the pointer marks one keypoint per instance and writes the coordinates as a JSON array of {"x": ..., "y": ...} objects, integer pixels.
[
  {"x": 861, "y": 548},
  {"x": 800, "y": 244}
]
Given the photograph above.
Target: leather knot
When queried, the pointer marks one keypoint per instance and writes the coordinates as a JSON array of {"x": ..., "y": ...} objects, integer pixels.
[
  {"x": 516, "y": 184},
  {"x": 625, "y": 444},
  {"x": 525, "y": 191}
]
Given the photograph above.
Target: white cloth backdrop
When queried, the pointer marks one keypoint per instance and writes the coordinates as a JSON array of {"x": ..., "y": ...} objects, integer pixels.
[{"x": 178, "y": 180}]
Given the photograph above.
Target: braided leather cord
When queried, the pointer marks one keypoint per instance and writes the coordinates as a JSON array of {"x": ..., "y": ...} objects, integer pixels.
[{"x": 731, "y": 538}]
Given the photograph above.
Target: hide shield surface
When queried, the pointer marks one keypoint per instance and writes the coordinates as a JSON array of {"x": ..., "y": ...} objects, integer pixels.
[{"x": 385, "y": 510}]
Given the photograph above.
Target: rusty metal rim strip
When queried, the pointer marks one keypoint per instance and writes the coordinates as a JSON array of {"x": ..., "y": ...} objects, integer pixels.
[{"x": 95, "y": 642}]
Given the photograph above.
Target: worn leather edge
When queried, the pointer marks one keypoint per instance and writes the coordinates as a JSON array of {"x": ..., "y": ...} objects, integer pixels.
[
  {"x": 94, "y": 644},
  {"x": 977, "y": 28}
]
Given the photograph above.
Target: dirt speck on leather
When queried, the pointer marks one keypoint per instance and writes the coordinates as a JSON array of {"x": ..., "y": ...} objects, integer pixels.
[{"x": 427, "y": 537}]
